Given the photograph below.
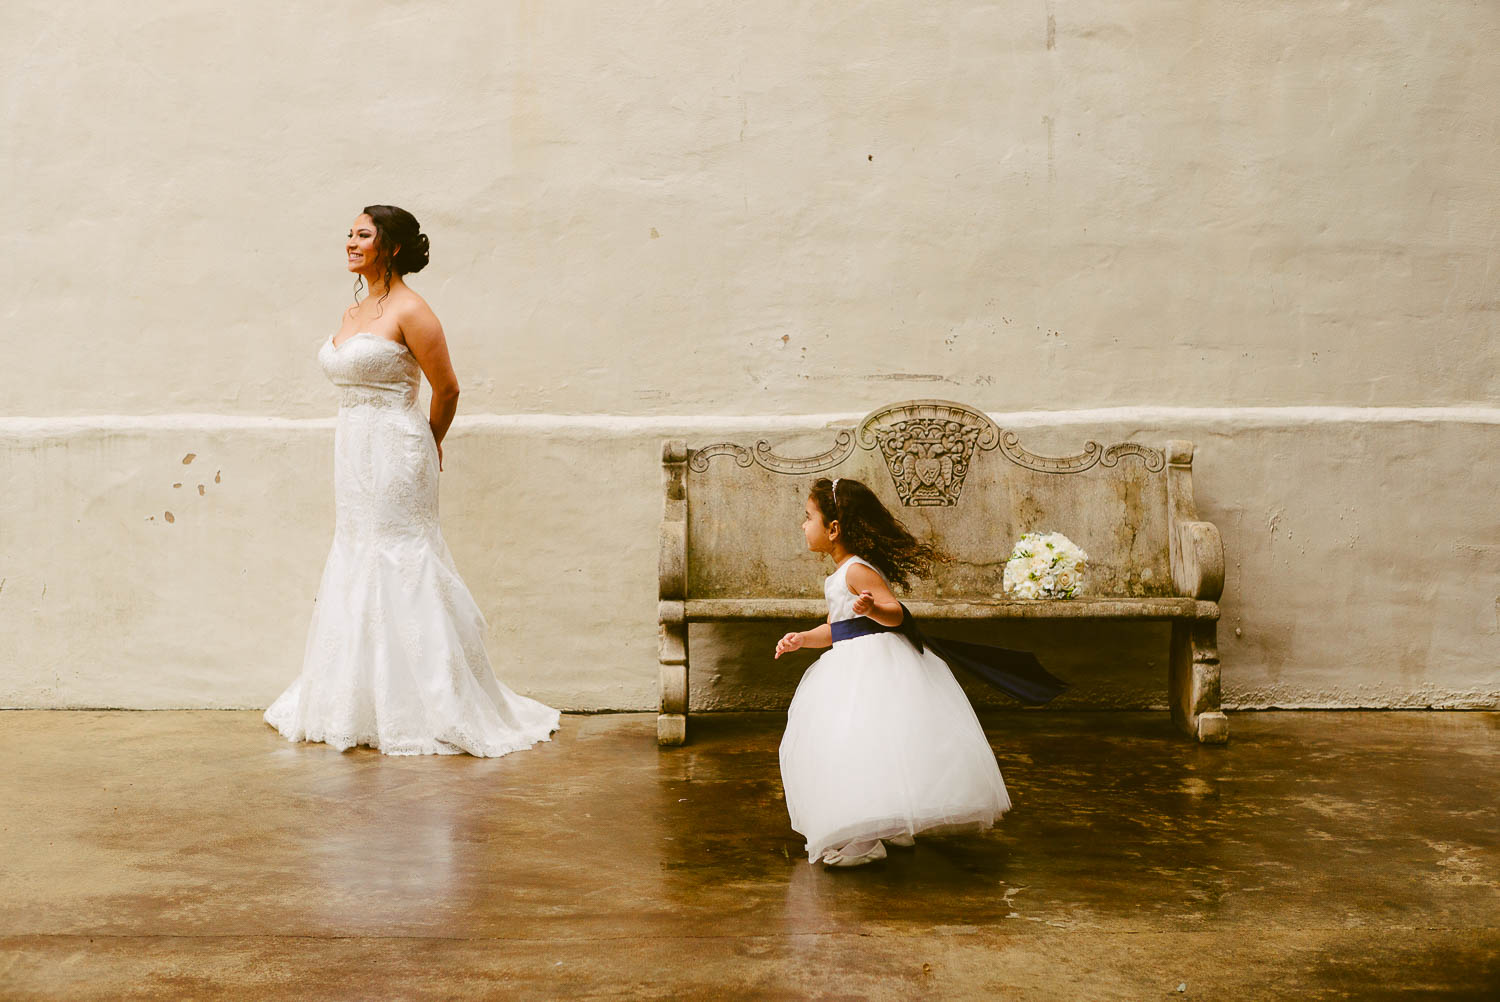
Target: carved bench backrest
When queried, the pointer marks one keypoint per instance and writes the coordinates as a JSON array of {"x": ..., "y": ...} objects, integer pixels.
[{"x": 954, "y": 478}]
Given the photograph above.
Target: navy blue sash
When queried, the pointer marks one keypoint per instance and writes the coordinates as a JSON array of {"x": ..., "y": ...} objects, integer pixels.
[
  {"x": 860, "y": 626},
  {"x": 1017, "y": 673}
]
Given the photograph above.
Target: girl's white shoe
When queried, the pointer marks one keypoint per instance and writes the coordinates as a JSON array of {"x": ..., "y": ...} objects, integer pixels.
[
  {"x": 902, "y": 841},
  {"x": 855, "y": 854}
]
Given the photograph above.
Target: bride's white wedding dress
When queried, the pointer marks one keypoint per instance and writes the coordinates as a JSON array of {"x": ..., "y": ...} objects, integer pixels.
[{"x": 395, "y": 653}]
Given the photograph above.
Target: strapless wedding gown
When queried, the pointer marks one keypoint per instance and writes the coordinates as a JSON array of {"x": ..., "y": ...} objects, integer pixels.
[{"x": 395, "y": 653}]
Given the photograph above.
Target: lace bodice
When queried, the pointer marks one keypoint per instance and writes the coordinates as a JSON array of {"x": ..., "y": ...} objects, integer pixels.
[
  {"x": 371, "y": 370},
  {"x": 836, "y": 590},
  {"x": 385, "y": 462}
]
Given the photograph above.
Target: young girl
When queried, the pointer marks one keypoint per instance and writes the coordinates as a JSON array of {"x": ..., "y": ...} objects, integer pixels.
[{"x": 880, "y": 743}]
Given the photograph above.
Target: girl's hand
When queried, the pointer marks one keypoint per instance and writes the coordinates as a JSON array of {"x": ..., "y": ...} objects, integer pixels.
[
  {"x": 788, "y": 643},
  {"x": 864, "y": 603}
]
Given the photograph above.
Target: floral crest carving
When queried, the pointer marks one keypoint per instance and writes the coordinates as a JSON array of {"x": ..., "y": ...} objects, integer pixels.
[{"x": 928, "y": 446}]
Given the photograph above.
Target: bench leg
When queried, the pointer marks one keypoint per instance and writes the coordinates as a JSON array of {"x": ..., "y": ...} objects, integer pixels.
[
  {"x": 671, "y": 729},
  {"x": 1193, "y": 681},
  {"x": 671, "y": 723}
]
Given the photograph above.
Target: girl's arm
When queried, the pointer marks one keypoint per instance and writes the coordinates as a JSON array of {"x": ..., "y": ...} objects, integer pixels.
[
  {"x": 875, "y": 598},
  {"x": 818, "y": 636}
]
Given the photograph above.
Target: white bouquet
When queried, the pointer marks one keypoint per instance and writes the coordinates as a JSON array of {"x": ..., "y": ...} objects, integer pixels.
[{"x": 1045, "y": 565}]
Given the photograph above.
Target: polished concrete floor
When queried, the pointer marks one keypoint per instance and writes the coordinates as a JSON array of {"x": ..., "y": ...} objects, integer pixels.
[{"x": 199, "y": 856}]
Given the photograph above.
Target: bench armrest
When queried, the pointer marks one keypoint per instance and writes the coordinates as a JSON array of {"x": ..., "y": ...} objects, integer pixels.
[{"x": 1198, "y": 561}]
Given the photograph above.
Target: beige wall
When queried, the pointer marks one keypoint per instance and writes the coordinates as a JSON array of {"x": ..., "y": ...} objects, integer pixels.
[{"x": 701, "y": 218}]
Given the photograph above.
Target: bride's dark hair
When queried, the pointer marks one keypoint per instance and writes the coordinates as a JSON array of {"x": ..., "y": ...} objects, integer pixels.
[
  {"x": 399, "y": 237},
  {"x": 868, "y": 530}
]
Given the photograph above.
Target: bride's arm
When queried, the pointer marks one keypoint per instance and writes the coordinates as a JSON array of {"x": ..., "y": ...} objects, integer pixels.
[{"x": 424, "y": 336}]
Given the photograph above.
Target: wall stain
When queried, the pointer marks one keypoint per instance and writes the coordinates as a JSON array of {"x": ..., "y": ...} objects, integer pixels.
[
  {"x": 1051, "y": 159},
  {"x": 216, "y": 476},
  {"x": 200, "y": 490},
  {"x": 169, "y": 518},
  {"x": 189, "y": 458}
]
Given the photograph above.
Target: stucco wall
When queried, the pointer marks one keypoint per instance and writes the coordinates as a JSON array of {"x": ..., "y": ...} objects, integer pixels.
[{"x": 696, "y": 219}]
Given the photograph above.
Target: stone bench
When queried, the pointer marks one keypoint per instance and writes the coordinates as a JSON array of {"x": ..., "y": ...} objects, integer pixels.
[{"x": 731, "y": 548}]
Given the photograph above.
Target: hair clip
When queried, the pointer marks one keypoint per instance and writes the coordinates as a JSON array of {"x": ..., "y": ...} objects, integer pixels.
[{"x": 835, "y": 492}]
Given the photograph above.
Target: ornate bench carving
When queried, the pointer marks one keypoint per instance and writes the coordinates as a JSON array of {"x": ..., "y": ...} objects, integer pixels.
[{"x": 951, "y": 474}]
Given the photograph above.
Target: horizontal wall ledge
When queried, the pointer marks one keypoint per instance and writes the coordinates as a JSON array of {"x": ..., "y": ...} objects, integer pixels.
[{"x": 632, "y": 424}]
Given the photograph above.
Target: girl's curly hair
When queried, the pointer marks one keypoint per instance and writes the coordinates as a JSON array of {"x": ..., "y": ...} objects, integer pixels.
[{"x": 868, "y": 530}]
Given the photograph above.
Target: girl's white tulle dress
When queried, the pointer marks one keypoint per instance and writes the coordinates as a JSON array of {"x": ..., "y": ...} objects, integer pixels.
[
  {"x": 395, "y": 653},
  {"x": 881, "y": 742}
]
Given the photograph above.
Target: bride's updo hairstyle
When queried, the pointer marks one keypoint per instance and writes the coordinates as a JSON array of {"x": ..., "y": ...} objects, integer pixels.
[
  {"x": 868, "y": 530},
  {"x": 398, "y": 230}
]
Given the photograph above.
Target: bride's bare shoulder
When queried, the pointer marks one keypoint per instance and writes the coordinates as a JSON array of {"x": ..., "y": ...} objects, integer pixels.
[{"x": 413, "y": 311}]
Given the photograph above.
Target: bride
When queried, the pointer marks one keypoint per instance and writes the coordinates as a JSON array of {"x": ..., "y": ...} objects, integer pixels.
[{"x": 395, "y": 653}]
